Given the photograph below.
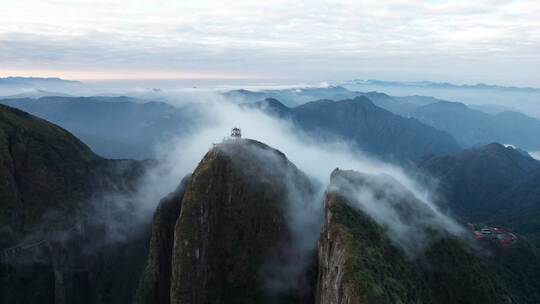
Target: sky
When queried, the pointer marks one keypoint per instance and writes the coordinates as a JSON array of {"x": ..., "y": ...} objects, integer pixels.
[{"x": 487, "y": 41}]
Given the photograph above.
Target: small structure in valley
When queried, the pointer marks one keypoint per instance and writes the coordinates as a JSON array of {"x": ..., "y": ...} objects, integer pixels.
[
  {"x": 236, "y": 133},
  {"x": 497, "y": 235}
]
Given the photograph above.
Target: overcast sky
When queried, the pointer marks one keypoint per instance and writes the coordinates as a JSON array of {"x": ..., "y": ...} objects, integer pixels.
[{"x": 459, "y": 41}]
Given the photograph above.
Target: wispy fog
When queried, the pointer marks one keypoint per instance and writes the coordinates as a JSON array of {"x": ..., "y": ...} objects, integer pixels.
[
  {"x": 410, "y": 222},
  {"x": 181, "y": 155}
]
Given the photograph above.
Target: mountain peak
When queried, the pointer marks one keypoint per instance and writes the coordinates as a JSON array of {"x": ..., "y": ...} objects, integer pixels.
[
  {"x": 232, "y": 234},
  {"x": 274, "y": 104},
  {"x": 360, "y": 250},
  {"x": 446, "y": 105},
  {"x": 268, "y": 105},
  {"x": 243, "y": 148},
  {"x": 18, "y": 122},
  {"x": 362, "y": 101},
  {"x": 495, "y": 147},
  {"x": 517, "y": 154},
  {"x": 488, "y": 170}
]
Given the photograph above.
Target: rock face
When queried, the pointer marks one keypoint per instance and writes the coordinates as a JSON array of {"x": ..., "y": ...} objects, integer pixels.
[
  {"x": 359, "y": 263},
  {"x": 230, "y": 237},
  {"x": 49, "y": 240},
  {"x": 232, "y": 241},
  {"x": 333, "y": 286},
  {"x": 156, "y": 280}
]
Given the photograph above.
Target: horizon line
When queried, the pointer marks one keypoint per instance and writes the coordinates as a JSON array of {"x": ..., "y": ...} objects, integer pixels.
[{"x": 202, "y": 77}]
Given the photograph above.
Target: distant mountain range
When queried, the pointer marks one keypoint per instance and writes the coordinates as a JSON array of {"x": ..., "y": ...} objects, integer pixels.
[
  {"x": 469, "y": 125},
  {"x": 441, "y": 85},
  {"x": 248, "y": 226},
  {"x": 298, "y": 96},
  {"x": 35, "y": 87},
  {"x": 123, "y": 127},
  {"x": 525, "y": 99},
  {"x": 371, "y": 128},
  {"x": 292, "y": 97},
  {"x": 32, "y": 81},
  {"x": 35, "y": 93},
  {"x": 114, "y": 127},
  {"x": 472, "y": 127}
]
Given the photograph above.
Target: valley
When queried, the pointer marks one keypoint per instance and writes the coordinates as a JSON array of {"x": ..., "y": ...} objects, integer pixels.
[{"x": 247, "y": 225}]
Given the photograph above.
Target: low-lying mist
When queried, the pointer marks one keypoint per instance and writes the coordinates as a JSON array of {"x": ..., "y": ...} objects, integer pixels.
[
  {"x": 124, "y": 214},
  {"x": 179, "y": 156}
]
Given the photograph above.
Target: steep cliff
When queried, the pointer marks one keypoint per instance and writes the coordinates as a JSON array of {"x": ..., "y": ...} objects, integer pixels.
[
  {"x": 232, "y": 239},
  {"x": 360, "y": 263},
  {"x": 156, "y": 279}
]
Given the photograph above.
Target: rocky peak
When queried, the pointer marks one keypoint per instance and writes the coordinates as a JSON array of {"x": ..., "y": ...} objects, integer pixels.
[
  {"x": 232, "y": 239},
  {"x": 359, "y": 262}
]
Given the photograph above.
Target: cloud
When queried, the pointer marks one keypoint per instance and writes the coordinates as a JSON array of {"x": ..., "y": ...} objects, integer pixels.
[
  {"x": 317, "y": 159},
  {"x": 535, "y": 155},
  {"x": 411, "y": 223},
  {"x": 301, "y": 200},
  {"x": 283, "y": 39}
]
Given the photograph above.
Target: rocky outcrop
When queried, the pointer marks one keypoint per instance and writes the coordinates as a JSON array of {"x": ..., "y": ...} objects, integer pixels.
[
  {"x": 232, "y": 235},
  {"x": 352, "y": 252},
  {"x": 156, "y": 279},
  {"x": 333, "y": 286},
  {"x": 359, "y": 263}
]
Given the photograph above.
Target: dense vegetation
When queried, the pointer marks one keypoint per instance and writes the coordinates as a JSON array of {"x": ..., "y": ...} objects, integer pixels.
[
  {"x": 491, "y": 184},
  {"x": 52, "y": 216},
  {"x": 225, "y": 236},
  {"x": 448, "y": 271},
  {"x": 370, "y": 128}
]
